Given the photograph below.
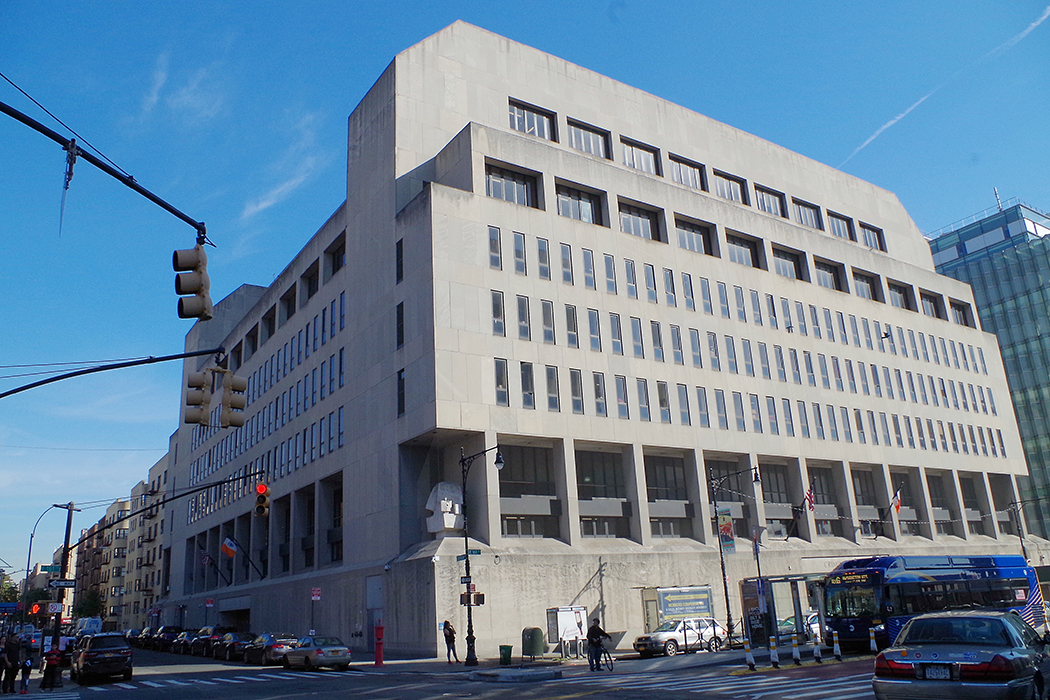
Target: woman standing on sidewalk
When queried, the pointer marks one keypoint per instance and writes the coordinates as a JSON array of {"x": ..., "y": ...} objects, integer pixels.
[{"x": 450, "y": 641}]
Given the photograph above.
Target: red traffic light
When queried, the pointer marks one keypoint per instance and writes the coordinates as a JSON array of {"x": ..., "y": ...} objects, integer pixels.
[{"x": 262, "y": 489}]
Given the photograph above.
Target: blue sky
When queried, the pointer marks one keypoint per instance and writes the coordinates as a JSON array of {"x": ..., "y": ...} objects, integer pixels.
[{"x": 236, "y": 114}]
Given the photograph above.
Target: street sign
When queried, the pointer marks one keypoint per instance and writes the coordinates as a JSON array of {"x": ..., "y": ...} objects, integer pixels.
[
  {"x": 209, "y": 602},
  {"x": 461, "y": 557},
  {"x": 53, "y": 608},
  {"x": 315, "y": 594},
  {"x": 62, "y": 583},
  {"x": 474, "y": 552},
  {"x": 473, "y": 588},
  {"x": 51, "y": 569},
  {"x": 464, "y": 579}
]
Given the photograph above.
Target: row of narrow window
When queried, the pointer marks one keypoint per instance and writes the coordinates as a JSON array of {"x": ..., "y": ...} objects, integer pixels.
[
  {"x": 755, "y": 411},
  {"x": 883, "y": 334},
  {"x": 642, "y": 157}
]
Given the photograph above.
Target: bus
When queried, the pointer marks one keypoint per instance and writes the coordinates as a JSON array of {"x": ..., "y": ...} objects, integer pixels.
[{"x": 884, "y": 592}]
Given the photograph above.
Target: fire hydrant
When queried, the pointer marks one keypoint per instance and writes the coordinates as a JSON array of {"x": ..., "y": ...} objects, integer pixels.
[{"x": 379, "y": 643}]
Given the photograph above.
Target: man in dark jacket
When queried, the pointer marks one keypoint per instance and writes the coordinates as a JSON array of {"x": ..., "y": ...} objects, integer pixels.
[
  {"x": 13, "y": 654},
  {"x": 595, "y": 635}
]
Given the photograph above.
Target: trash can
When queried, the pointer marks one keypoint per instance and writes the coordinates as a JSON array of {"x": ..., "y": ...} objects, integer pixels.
[
  {"x": 532, "y": 644},
  {"x": 504, "y": 654}
]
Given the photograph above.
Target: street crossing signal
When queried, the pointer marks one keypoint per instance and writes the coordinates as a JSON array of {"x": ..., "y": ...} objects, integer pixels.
[
  {"x": 262, "y": 500},
  {"x": 198, "y": 398},
  {"x": 233, "y": 400},
  {"x": 37, "y": 609},
  {"x": 193, "y": 264}
]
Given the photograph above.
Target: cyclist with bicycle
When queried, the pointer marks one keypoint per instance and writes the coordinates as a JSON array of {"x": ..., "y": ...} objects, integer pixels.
[{"x": 595, "y": 635}]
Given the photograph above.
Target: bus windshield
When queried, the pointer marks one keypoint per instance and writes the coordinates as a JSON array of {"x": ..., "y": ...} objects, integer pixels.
[{"x": 852, "y": 601}]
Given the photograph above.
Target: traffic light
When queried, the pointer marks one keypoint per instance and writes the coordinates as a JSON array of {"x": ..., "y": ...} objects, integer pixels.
[
  {"x": 233, "y": 400},
  {"x": 262, "y": 500},
  {"x": 198, "y": 397},
  {"x": 193, "y": 264}
]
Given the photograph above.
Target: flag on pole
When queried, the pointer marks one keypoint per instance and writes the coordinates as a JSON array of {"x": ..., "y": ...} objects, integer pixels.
[
  {"x": 229, "y": 548},
  {"x": 206, "y": 558},
  {"x": 895, "y": 502},
  {"x": 809, "y": 498}
]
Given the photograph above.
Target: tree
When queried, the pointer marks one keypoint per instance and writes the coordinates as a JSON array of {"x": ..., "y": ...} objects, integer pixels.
[
  {"x": 89, "y": 605},
  {"x": 8, "y": 589}
]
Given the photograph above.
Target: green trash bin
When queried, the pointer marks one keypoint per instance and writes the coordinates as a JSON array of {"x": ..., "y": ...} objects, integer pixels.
[
  {"x": 532, "y": 644},
  {"x": 504, "y": 654}
]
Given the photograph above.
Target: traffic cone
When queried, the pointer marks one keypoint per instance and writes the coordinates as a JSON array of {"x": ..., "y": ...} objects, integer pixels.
[
  {"x": 794, "y": 649},
  {"x": 816, "y": 650},
  {"x": 835, "y": 648},
  {"x": 774, "y": 656},
  {"x": 748, "y": 656}
]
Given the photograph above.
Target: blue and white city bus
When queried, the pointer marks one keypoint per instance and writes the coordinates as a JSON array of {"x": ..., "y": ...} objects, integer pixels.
[{"x": 885, "y": 592}]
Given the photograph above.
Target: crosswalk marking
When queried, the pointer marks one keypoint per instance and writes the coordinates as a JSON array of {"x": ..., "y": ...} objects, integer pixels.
[
  {"x": 129, "y": 686},
  {"x": 174, "y": 681},
  {"x": 151, "y": 684},
  {"x": 763, "y": 687},
  {"x": 251, "y": 678},
  {"x": 226, "y": 680}
]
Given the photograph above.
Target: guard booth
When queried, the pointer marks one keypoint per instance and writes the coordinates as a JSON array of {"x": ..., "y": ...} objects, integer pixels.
[
  {"x": 767, "y": 601},
  {"x": 660, "y": 604}
]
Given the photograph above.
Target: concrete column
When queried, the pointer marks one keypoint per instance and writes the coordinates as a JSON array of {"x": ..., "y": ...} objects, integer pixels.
[
  {"x": 962, "y": 526},
  {"x": 924, "y": 501},
  {"x": 884, "y": 490},
  {"x": 984, "y": 495},
  {"x": 634, "y": 476},
  {"x": 568, "y": 494},
  {"x": 845, "y": 501},
  {"x": 696, "y": 488}
]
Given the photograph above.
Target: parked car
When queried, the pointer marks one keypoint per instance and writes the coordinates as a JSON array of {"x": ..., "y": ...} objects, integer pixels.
[
  {"x": 181, "y": 643},
  {"x": 206, "y": 638},
  {"x": 132, "y": 636},
  {"x": 268, "y": 648},
  {"x": 142, "y": 638},
  {"x": 161, "y": 641},
  {"x": 105, "y": 654},
  {"x": 810, "y": 628},
  {"x": 232, "y": 644},
  {"x": 314, "y": 652},
  {"x": 984, "y": 654},
  {"x": 694, "y": 633}
]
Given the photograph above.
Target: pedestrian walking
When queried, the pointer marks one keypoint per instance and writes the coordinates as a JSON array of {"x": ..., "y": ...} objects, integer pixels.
[
  {"x": 450, "y": 641},
  {"x": 13, "y": 656},
  {"x": 27, "y": 667}
]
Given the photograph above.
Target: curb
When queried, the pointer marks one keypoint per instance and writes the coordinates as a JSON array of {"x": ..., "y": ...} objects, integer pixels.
[{"x": 509, "y": 675}]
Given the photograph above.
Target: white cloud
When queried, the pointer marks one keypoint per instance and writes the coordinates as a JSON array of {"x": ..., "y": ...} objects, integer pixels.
[
  {"x": 160, "y": 76},
  {"x": 1006, "y": 45},
  {"x": 198, "y": 99},
  {"x": 301, "y": 159}
]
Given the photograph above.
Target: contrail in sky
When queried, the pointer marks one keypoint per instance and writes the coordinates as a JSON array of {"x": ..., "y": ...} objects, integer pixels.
[{"x": 1006, "y": 45}]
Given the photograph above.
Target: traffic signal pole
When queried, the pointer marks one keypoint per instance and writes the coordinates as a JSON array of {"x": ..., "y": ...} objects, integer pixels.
[{"x": 64, "y": 570}]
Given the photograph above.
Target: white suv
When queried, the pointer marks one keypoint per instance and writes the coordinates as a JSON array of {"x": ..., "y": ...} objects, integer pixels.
[{"x": 694, "y": 633}]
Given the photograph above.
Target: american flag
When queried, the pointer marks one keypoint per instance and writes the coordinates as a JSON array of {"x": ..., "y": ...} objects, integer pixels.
[
  {"x": 1032, "y": 613},
  {"x": 809, "y": 498},
  {"x": 206, "y": 558}
]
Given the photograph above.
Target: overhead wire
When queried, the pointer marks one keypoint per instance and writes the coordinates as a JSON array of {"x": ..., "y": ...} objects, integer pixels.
[{"x": 69, "y": 128}]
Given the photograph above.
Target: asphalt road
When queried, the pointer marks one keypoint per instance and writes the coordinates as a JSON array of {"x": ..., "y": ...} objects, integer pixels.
[{"x": 160, "y": 676}]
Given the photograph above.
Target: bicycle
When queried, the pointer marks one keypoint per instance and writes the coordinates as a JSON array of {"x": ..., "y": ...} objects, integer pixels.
[{"x": 605, "y": 658}]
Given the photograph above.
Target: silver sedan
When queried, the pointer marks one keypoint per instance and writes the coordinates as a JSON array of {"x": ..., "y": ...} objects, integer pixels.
[
  {"x": 964, "y": 655},
  {"x": 315, "y": 652}
]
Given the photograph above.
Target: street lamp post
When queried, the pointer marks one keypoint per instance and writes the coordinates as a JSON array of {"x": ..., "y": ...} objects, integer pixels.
[
  {"x": 29, "y": 560},
  {"x": 716, "y": 485},
  {"x": 471, "y": 659}
]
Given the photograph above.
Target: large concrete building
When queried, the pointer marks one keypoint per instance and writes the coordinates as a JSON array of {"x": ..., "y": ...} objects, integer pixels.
[
  {"x": 635, "y": 303},
  {"x": 100, "y": 563},
  {"x": 149, "y": 527},
  {"x": 1004, "y": 254}
]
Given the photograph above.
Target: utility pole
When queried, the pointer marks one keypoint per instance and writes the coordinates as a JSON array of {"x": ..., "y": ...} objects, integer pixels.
[{"x": 56, "y": 678}]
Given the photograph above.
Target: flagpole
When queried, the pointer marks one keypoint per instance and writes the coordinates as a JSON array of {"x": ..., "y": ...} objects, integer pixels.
[{"x": 244, "y": 552}]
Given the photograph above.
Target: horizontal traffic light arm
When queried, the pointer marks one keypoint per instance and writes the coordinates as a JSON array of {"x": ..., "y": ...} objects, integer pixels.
[
  {"x": 165, "y": 501},
  {"x": 116, "y": 365},
  {"x": 76, "y": 151}
]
